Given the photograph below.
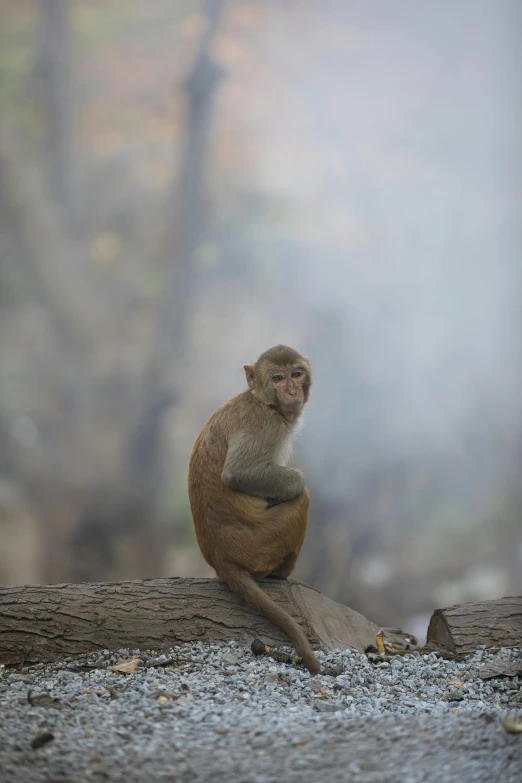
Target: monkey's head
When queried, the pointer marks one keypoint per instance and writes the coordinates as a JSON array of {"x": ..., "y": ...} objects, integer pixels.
[{"x": 281, "y": 377}]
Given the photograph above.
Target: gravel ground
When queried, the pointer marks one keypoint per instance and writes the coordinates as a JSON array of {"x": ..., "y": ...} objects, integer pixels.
[{"x": 216, "y": 713}]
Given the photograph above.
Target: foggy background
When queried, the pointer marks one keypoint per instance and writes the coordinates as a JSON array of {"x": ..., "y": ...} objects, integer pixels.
[{"x": 183, "y": 185}]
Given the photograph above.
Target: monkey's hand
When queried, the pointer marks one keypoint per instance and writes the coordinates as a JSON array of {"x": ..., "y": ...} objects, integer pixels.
[
  {"x": 258, "y": 475},
  {"x": 293, "y": 489}
]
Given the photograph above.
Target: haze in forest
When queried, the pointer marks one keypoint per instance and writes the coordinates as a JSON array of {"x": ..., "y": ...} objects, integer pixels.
[{"x": 183, "y": 187}]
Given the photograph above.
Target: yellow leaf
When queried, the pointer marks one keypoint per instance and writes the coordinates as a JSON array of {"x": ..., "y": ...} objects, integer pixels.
[
  {"x": 458, "y": 684},
  {"x": 126, "y": 667},
  {"x": 512, "y": 724},
  {"x": 379, "y": 642}
]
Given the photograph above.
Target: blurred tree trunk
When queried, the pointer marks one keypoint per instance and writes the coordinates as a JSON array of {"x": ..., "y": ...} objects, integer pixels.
[
  {"x": 56, "y": 92},
  {"x": 50, "y": 265},
  {"x": 20, "y": 534},
  {"x": 86, "y": 474},
  {"x": 187, "y": 209},
  {"x": 94, "y": 483}
]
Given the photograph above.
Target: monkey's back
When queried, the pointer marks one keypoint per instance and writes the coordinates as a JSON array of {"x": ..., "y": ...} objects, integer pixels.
[{"x": 212, "y": 503}]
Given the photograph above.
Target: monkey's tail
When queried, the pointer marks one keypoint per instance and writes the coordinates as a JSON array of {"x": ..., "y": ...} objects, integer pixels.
[{"x": 244, "y": 585}]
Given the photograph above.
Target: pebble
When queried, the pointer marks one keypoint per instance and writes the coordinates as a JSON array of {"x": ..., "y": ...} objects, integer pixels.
[{"x": 217, "y": 709}]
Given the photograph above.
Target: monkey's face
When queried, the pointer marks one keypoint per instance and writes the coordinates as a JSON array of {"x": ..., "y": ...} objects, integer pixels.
[
  {"x": 289, "y": 387},
  {"x": 281, "y": 377}
]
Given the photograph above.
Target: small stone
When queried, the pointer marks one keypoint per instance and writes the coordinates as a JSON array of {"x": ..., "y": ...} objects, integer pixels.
[
  {"x": 333, "y": 671},
  {"x": 229, "y": 659},
  {"x": 258, "y": 647},
  {"x": 41, "y": 739},
  {"x": 325, "y": 706},
  {"x": 453, "y": 695}
]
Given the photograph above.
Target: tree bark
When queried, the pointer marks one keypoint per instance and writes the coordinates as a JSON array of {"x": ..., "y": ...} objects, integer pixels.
[
  {"x": 42, "y": 623},
  {"x": 465, "y": 627}
]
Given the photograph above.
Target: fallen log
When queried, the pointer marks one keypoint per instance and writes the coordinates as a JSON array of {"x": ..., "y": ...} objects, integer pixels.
[
  {"x": 464, "y": 627},
  {"x": 43, "y": 623}
]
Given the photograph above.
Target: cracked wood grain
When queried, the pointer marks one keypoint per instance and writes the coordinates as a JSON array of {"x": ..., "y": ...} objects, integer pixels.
[
  {"x": 43, "y": 623},
  {"x": 464, "y": 627}
]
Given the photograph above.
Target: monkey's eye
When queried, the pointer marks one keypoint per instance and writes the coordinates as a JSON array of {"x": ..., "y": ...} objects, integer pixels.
[
  {"x": 277, "y": 377},
  {"x": 296, "y": 374}
]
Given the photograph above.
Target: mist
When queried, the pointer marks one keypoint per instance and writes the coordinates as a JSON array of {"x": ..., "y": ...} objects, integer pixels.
[{"x": 347, "y": 181}]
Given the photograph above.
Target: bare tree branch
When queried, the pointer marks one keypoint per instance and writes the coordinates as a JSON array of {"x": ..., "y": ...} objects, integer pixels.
[{"x": 189, "y": 197}]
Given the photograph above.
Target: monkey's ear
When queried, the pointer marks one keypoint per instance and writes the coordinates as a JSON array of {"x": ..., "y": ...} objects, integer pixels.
[{"x": 250, "y": 375}]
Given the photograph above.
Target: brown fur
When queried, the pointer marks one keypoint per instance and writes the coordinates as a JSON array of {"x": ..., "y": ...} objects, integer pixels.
[{"x": 250, "y": 513}]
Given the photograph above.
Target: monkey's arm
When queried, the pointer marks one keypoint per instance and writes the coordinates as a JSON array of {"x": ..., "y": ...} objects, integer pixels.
[{"x": 247, "y": 469}]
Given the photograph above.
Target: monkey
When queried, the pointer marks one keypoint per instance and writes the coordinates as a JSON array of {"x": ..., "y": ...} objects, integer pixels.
[{"x": 250, "y": 509}]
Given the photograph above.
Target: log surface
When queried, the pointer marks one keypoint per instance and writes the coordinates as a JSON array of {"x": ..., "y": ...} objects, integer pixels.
[
  {"x": 465, "y": 627},
  {"x": 43, "y": 623}
]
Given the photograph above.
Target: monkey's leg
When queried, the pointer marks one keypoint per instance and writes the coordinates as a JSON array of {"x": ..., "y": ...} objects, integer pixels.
[
  {"x": 285, "y": 568},
  {"x": 257, "y": 540}
]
